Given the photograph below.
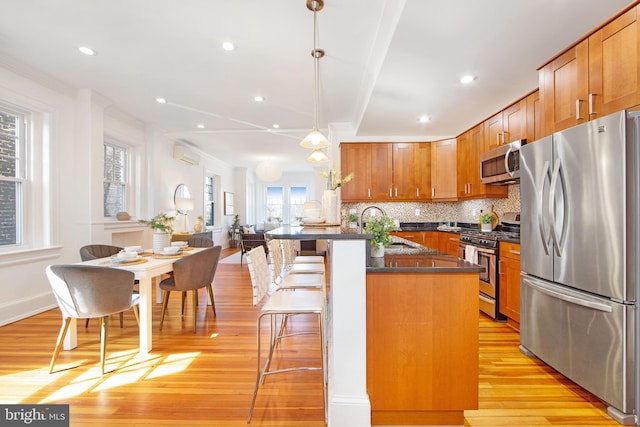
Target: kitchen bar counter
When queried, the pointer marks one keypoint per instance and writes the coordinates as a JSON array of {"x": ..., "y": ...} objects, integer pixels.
[{"x": 402, "y": 331}]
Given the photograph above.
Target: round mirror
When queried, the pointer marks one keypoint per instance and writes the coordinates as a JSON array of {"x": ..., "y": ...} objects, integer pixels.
[{"x": 182, "y": 199}]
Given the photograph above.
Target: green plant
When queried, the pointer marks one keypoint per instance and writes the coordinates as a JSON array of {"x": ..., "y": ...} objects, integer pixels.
[
  {"x": 160, "y": 222},
  {"x": 353, "y": 217},
  {"x": 380, "y": 228},
  {"x": 235, "y": 225},
  {"x": 487, "y": 218}
]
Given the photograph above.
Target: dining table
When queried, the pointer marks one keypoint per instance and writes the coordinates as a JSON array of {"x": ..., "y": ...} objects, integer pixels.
[{"x": 145, "y": 268}]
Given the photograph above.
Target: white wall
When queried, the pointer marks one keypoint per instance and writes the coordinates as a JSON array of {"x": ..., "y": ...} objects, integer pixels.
[{"x": 76, "y": 122}]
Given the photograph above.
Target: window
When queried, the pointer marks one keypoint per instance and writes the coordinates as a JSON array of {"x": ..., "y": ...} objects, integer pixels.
[
  {"x": 209, "y": 201},
  {"x": 12, "y": 175},
  {"x": 285, "y": 203},
  {"x": 115, "y": 179}
]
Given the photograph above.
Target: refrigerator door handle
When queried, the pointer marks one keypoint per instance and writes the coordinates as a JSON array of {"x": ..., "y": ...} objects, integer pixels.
[
  {"x": 558, "y": 174},
  {"x": 566, "y": 297},
  {"x": 540, "y": 187}
]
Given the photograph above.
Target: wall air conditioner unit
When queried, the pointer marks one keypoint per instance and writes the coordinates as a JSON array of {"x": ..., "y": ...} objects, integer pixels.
[{"x": 185, "y": 154}]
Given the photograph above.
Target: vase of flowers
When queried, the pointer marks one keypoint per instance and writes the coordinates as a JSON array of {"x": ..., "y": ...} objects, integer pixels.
[
  {"x": 162, "y": 226},
  {"x": 380, "y": 228},
  {"x": 330, "y": 198}
]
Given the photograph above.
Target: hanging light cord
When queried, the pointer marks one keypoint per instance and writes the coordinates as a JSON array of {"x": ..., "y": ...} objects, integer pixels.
[{"x": 317, "y": 54}]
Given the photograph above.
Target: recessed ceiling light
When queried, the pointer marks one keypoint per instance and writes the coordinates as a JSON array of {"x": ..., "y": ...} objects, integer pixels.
[
  {"x": 200, "y": 126},
  {"x": 228, "y": 46},
  {"x": 258, "y": 98},
  {"x": 161, "y": 100},
  {"x": 424, "y": 119},
  {"x": 467, "y": 79},
  {"x": 87, "y": 50},
  {"x": 276, "y": 126}
]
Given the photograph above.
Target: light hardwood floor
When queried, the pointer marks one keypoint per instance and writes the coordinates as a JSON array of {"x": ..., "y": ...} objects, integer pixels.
[{"x": 207, "y": 378}]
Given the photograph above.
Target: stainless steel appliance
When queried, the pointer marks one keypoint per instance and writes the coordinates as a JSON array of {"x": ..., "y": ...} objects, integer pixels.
[
  {"x": 486, "y": 250},
  {"x": 579, "y": 257},
  {"x": 501, "y": 165}
]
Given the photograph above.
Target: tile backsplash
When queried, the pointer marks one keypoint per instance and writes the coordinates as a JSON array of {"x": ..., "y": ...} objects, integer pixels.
[{"x": 465, "y": 211}]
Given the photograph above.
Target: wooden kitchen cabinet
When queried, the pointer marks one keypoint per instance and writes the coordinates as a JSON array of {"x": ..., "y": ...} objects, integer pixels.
[
  {"x": 386, "y": 171},
  {"x": 469, "y": 147},
  {"x": 356, "y": 158},
  {"x": 597, "y": 76},
  {"x": 534, "y": 117},
  {"x": 431, "y": 239},
  {"x": 414, "y": 236},
  {"x": 509, "y": 271},
  {"x": 422, "y": 347},
  {"x": 444, "y": 179},
  {"x": 506, "y": 126},
  {"x": 422, "y": 170},
  {"x": 448, "y": 243}
]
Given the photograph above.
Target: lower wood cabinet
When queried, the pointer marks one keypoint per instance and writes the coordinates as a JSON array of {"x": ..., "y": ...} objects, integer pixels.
[
  {"x": 422, "y": 347},
  {"x": 509, "y": 271},
  {"x": 414, "y": 236},
  {"x": 448, "y": 243}
]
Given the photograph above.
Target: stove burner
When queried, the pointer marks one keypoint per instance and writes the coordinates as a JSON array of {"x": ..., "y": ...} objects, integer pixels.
[{"x": 487, "y": 239}]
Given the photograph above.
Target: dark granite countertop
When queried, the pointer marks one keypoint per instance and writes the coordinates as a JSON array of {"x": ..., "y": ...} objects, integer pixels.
[{"x": 405, "y": 256}]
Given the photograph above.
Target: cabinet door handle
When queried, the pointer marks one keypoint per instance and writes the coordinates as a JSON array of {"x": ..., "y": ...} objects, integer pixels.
[
  {"x": 498, "y": 138},
  {"x": 417, "y": 192},
  {"x": 433, "y": 191},
  {"x": 578, "y": 103},
  {"x": 591, "y": 96},
  {"x": 390, "y": 190},
  {"x": 504, "y": 137},
  {"x": 514, "y": 252},
  {"x": 500, "y": 267},
  {"x": 369, "y": 193},
  {"x": 396, "y": 191}
]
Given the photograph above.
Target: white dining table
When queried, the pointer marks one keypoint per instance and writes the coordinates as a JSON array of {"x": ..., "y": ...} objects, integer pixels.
[{"x": 144, "y": 273}]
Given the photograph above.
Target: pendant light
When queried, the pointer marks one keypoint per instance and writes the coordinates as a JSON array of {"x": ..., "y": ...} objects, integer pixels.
[
  {"x": 315, "y": 139},
  {"x": 317, "y": 156}
]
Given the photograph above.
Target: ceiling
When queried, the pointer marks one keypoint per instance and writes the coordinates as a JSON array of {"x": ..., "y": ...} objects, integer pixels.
[{"x": 387, "y": 63}]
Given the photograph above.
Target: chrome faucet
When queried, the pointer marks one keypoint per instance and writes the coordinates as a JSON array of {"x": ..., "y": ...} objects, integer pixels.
[{"x": 365, "y": 210}]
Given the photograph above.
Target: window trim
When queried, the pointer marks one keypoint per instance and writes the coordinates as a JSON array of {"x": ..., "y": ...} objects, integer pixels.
[{"x": 116, "y": 143}]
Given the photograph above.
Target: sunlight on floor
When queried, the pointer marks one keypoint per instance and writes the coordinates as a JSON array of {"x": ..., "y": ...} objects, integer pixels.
[{"x": 125, "y": 368}]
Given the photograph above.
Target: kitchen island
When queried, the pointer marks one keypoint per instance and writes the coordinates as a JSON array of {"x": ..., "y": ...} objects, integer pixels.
[{"x": 402, "y": 332}]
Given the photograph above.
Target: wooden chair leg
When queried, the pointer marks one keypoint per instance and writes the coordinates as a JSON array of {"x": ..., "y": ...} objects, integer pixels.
[
  {"x": 165, "y": 302},
  {"x": 195, "y": 308},
  {"x": 86, "y": 323},
  {"x": 184, "y": 297},
  {"x": 121, "y": 320},
  {"x": 136, "y": 313},
  {"x": 61, "y": 335},
  {"x": 104, "y": 324},
  {"x": 213, "y": 303}
]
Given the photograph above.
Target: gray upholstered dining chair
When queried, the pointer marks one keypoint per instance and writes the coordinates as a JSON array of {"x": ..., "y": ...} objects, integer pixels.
[
  {"x": 85, "y": 291},
  {"x": 191, "y": 273},
  {"x": 199, "y": 242},
  {"x": 89, "y": 252}
]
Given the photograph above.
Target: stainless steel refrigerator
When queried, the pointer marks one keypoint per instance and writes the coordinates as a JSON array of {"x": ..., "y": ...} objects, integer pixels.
[{"x": 579, "y": 257}]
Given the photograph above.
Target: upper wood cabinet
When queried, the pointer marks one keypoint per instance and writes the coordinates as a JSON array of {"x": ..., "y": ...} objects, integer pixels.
[
  {"x": 386, "y": 171},
  {"x": 422, "y": 170},
  {"x": 356, "y": 158},
  {"x": 469, "y": 147},
  {"x": 534, "y": 117},
  {"x": 597, "y": 76},
  {"x": 444, "y": 179},
  {"x": 507, "y": 126}
]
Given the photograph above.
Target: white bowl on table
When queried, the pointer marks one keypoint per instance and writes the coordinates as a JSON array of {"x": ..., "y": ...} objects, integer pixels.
[
  {"x": 180, "y": 244},
  {"x": 127, "y": 256},
  {"x": 136, "y": 249},
  {"x": 171, "y": 250}
]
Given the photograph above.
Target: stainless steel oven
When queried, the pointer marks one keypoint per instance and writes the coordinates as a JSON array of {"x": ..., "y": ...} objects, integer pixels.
[{"x": 489, "y": 292}]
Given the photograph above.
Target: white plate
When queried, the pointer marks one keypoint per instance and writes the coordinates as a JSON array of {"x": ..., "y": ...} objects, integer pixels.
[
  {"x": 170, "y": 253},
  {"x": 313, "y": 220},
  {"x": 118, "y": 260}
]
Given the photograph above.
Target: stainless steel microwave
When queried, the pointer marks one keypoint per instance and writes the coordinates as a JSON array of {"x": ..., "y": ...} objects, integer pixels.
[{"x": 501, "y": 165}]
